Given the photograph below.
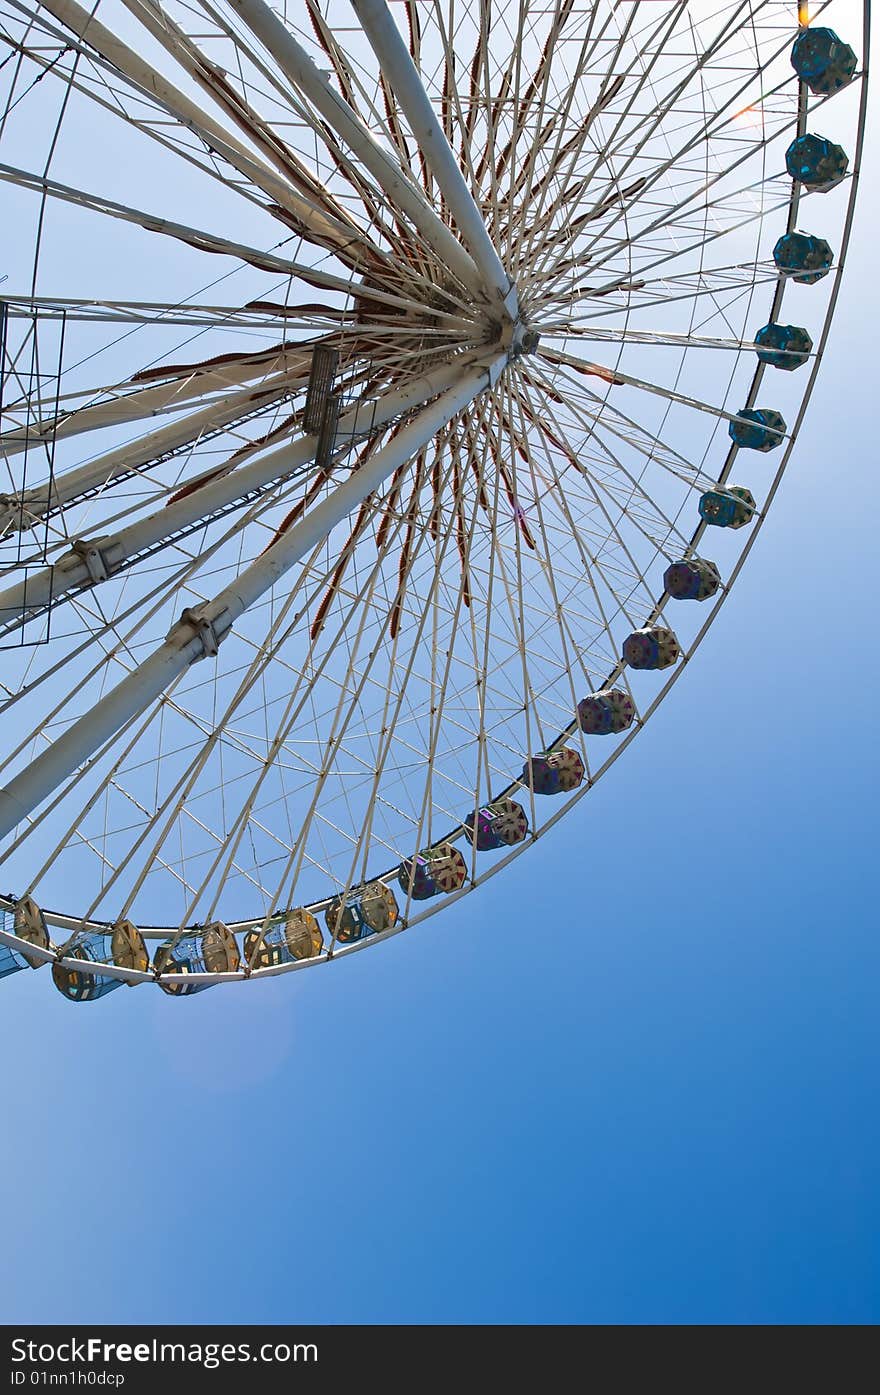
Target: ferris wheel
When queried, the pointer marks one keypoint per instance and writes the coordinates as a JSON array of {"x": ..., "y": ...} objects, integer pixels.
[{"x": 391, "y": 394}]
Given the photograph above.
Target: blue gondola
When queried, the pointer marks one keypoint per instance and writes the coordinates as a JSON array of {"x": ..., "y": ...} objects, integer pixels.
[
  {"x": 366, "y": 910},
  {"x": 783, "y": 346},
  {"x": 816, "y": 162},
  {"x": 211, "y": 949},
  {"x": 822, "y": 60},
  {"x": 289, "y": 937},
  {"x": 27, "y": 921},
  {"x": 803, "y": 257},
  {"x": 691, "y": 579},
  {"x": 757, "y": 428},
  {"x": 727, "y": 507},
  {"x": 121, "y": 945}
]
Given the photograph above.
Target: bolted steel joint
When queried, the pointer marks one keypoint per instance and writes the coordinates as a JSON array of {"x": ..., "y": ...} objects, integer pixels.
[
  {"x": 15, "y": 516},
  {"x": 90, "y": 553},
  {"x": 208, "y": 629}
]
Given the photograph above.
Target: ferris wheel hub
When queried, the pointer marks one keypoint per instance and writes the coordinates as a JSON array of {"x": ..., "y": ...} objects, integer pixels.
[
  {"x": 517, "y": 337},
  {"x": 527, "y": 339}
]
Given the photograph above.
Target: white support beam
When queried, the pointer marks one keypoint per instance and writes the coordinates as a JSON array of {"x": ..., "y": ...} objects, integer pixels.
[
  {"x": 139, "y": 403},
  {"x": 70, "y": 573},
  {"x": 124, "y": 460},
  {"x": 408, "y": 91},
  {"x": 308, "y": 78},
  {"x": 143, "y": 75},
  {"x": 198, "y": 632}
]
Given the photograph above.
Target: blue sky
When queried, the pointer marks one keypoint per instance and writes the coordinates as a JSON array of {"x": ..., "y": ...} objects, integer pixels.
[{"x": 671, "y": 1117}]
